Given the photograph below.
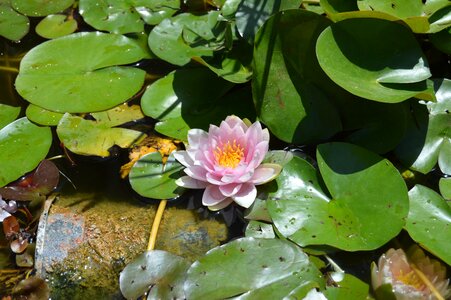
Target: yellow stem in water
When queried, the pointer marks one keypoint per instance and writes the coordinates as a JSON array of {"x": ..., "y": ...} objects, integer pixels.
[
  {"x": 427, "y": 282},
  {"x": 156, "y": 225},
  {"x": 9, "y": 69}
]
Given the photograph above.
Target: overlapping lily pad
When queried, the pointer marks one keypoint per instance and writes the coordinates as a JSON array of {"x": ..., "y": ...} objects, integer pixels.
[
  {"x": 8, "y": 114},
  {"x": 365, "y": 190},
  {"x": 39, "y": 8},
  {"x": 159, "y": 271},
  {"x": 43, "y": 116},
  {"x": 22, "y": 146},
  {"x": 54, "y": 26},
  {"x": 287, "y": 87},
  {"x": 193, "y": 98},
  {"x": 80, "y": 72},
  {"x": 119, "y": 16},
  {"x": 152, "y": 178},
  {"x": 261, "y": 268},
  {"x": 427, "y": 140},
  {"x": 368, "y": 68},
  {"x": 14, "y": 25},
  {"x": 429, "y": 221},
  {"x": 94, "y": 137}
]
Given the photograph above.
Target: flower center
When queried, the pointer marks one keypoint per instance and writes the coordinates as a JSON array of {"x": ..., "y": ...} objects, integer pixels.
[
  {"x": 229, "y": 155},
  {"x": 411, "y": 279}
]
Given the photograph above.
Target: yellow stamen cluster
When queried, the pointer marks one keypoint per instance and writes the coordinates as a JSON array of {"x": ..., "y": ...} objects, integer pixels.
[
  {"x": 229, "y": 155},
  {"x": 411, "y": 279}
]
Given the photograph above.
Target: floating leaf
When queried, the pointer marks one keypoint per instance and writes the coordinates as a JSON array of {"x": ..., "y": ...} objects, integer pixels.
[
  {"x": 8, "y": 114},
  {"x": 79, "y": 72},
  {"x": 14, "y": 25},
  {"x": 95, "y": 137},
  {"x": 54, "y": 26},
  {"x": 40, "y": 8},
  {"x": 287, "y": 87},
  {"x": 429, "y": 221},
  {"x": 365, "y": 190},
  {"x": 250, "y": 268},
  {"x": 260, "y": 230},
  {"x": 160, "y": 271},
  {"x": 152, "y": 178},
  {"x": 119, "y": 16},
  {"x": 332, "y": 7},
  {"x": 427, "y": 140},
  {"x": 368, "y": 68},
  {"x": 252, "y": 14},
  {"x": 22, "y": 146},
  {"x": 178, "y": 39},
  {"x": 349, "y": 288},
  {"x": 193, "y": 98},
  {"x": 445, "y": 187},
  {"x": 440, "y": 19},
  {"x": 43, "y": 116},
  {"x": 398, "y": 8}
]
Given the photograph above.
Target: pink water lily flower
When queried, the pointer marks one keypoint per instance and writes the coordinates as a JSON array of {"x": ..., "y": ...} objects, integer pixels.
[{"x": 227, "y": 162}]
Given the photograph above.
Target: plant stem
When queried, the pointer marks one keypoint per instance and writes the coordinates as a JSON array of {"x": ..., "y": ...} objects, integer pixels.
[
  {"x": 156, "y": 224},
  {"x": 9, "y": 69},
  {"x": 428, "y": 283}
]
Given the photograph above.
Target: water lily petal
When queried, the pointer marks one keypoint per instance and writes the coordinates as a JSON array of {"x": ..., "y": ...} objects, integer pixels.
[
  {"x": 214, "y": 179},
  {"x": 221, "y": 204},
  {"x": 212, "y": 196},
  {"x": 197, "y": 172},
  {"x": 183, "y": 157},
  {"x": 234, "y": 121},
  {"x": 265, "y": 173},
  {"x": 246, "y": 196},
  {"x": 191, "y": 183},
  {"x": 229, "y": 190},
  {"x": 3, "y": 215},
  {"x": 196, "y": 137}
]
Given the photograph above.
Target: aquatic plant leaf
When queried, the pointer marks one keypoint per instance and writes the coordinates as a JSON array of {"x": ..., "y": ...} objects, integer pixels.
[
  {"x": 365, "y": 190},
  {"x": 14, "y": 25},
  {"x": 260, "y": 230},
  {"x": 119, "y": 115},
  {"x": 349, "y": 288},
  {"x": 160, "y": 271},
  {"x": 88, "y": 137},
  {"x": 332, "y": 7},
  {"x": 429, "y": 221},
  {"x": 22, "y": 146},
  {"x": 40, "y": 8},
  {"x": 398, "y": 8},
  {"x": 440, "y": 20},
  {"x": 288, "y": 88},
  {"x": 252, "y": 14},
  {"x": 193, "y": 98},
  {"x": 79, "y": 73},
  {"x": 427, "y": 140},
  {"x": 43, "y": 116},
  {"x": 8, "y": 114},
  {"x": 442, "y": 40},
  {"x": 119, "y": 16},
  {"x": 368, "y": 68},
  {"x": 34, "y": 186},
  {"x": 152, "y": 178},
  {"x": 445, "y": 187},
  {"x": 178, "y": 39},
  {"x": 54, "y": 26},
  {"x": 250, "y": 268}
]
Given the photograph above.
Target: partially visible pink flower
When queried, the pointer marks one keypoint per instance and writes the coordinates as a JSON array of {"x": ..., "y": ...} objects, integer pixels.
[
  {"x": 412, "y": 278},
  {"x": 227, "y": 162}
]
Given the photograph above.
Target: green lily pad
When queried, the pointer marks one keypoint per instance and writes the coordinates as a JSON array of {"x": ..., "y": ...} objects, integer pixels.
[
  {"x": 251, "y": 14},
  {"x": 440, "y": 20},
  {"x": 349, "y": 288},
  {"x": 23, "y": 145},
  {"x": 159, "y": 271},
  {"x": 445, "y": 187},
  {"x": 193, "y": 98},
  {"x": 399, "y": 8},
  {"x": 14, "y": 26},
  {"x": 40, "y": 8},
  {"x": 332, "y": 7},
  {"x": 55, "y": 26},
  {"x": 8, "y": 114},
  {"x": 365, "y": 190},
  {"x": 250, "y": 268},
  {"x": 442, "y": 40},
  {"x": 287, "y": 87},
  {"x": 429, "y": 221},
  {"x": 119, "y": 16},
  {"x": 152, "y": 178},
  {"x": 178, "y": 39},
  {"x": 427, "y": 140},
  {"x": 369, "y": 68},
  {"x": 260, "y": 230},
  {"x": 79, "y": 72},
  {"x": 95, "y": 137},
  {"x": 43, "y": 116}
]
